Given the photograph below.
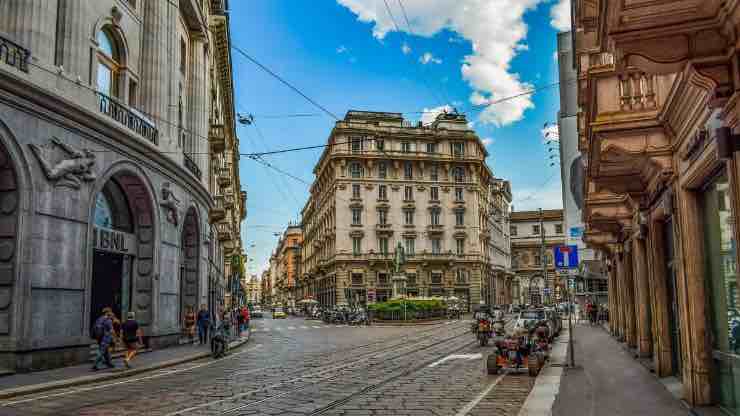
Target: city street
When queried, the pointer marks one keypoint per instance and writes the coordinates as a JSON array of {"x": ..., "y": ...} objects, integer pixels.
[{"x": 298, "y": 367}]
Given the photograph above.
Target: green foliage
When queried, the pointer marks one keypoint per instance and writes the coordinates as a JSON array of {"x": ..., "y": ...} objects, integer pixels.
[{"x": 413, "y": 308}]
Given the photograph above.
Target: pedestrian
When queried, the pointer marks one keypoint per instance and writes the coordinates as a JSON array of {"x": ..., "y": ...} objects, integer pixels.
[
  {"x": 245, "y": 318},
  {"x": 189, "y": 324},
  {"x": 103, "y": 334},
  {"x": 240, "y": 321},
  {"x": 204, "y": 322},
  {"x": 132, "y": 338}
]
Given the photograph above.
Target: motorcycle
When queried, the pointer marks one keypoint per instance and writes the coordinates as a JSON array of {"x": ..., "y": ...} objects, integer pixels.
[{"x": 220, "y": 340}]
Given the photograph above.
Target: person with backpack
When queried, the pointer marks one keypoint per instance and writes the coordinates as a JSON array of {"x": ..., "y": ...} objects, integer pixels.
[
  {"x": 103, "y": 334},
  {"x": 132, "y": 338}
]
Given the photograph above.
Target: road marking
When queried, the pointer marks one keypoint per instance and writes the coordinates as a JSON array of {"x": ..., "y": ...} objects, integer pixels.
[
  {"x": 304, "y": 327},
  {"x": 156, "y": 375},
  {"x": 456, "y": 357},
  {"x": 278, "y": 328},
  {"x": 468, "y": 407},
  {"x": 316, "y": 327},
  {"x": 291, "y": 328}
]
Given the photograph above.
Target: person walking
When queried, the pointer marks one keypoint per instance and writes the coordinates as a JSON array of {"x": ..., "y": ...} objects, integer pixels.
[
  {"x": 103, "y": 334},
  {"x": 189, "y": 324},
  {"x": 132, "y": 338},
  {"x": 204, "y": 322},
  {"x": 245, "y": 318}
]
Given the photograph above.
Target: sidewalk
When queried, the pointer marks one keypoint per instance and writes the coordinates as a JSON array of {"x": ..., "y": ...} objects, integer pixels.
[
  {"x": 39, "y": 381},
  {"x": 608, "y": 382}
]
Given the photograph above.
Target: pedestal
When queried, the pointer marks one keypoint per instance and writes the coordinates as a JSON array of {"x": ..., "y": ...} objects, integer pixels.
[{"x": 399, "y": 286}]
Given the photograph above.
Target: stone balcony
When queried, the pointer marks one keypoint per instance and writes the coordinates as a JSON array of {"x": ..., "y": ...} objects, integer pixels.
[
  {"x": 14, "y": 55},
  {"x": 228, "y": 201},
  {"x": 128, "y": 117},
  {"x": 243, "y": 196},
  {"x": 217, "y": 138},
  {"x": 225, "y": 233},
  {"x": 218, "y": 212},
  {"x": 223, "y": 177}
]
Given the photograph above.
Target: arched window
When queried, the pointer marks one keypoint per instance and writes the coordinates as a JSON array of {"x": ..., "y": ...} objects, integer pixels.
[
  {"x": 109, "y": 62},
  {"x": 103, "y": 212}
]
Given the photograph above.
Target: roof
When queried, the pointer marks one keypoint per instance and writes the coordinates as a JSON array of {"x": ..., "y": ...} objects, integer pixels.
[{"x": 547, "y": 214}]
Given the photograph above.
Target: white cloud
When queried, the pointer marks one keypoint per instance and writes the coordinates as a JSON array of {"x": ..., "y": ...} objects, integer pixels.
[
  {"x": 430, "y": 114},
  {"x": 427, "y": 57},
  {"x": 495, "y": 29},
  {"x": 555, "y": 56},
  {"x": 560, "y": 16},
  {"x": 550, "y": 133},
  {"x": 548, "y": 197},
  {"x": 487, "y": 141},
  {"x": 341, "y": 49},
  {"x": 405, "y": 48}
]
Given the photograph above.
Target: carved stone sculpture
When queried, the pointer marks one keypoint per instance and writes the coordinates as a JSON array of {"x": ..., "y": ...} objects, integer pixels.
[
  {"x": 170, "y": 203},
  {"x": 71, "y": 170}
]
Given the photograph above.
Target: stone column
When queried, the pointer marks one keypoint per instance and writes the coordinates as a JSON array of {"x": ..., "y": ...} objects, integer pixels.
[
  {"x": 642, "y": 296},
  {"x": 611, "y": 296},
  {"x": 73, "y": 40},
  {"x": 657, "y": 275},
  {"x": 629, "y": 301},
  {"x": 30, "y": 23},
  {"x": 197, "y": 109},
  {"x": 618, "y": 299},
  {"x": 155, "y": 65}
]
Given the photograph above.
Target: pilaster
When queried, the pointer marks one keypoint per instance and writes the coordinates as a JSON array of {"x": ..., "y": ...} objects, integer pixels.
[
  {"x": 642, "y": 295},
  {"x": 72, "y": 43},
  {"x": 155, "y": 66},
  {"x": 30, "y": 23},
  {"x": 662, "y": 343},
  {"x": 629, "y": 299},
  {"x": 198, "y": 109}
]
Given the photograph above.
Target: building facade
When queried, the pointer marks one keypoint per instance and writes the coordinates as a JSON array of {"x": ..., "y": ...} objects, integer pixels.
[
  {"x": 119, "y": 179},
  {"x": 288, "y": 266},
  {"x": 265, "y": 288},
  {"x": 385, "y": 182},
  {"x": 658, "y": 91},
  {"x": 534, "y": 235}
]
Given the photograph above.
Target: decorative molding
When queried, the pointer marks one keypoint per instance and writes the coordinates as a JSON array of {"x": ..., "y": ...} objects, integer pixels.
[
  {"x": 170, "y": 203},
  {"x": 694, "y": 145},
  {"x": 68, "y": 169}
]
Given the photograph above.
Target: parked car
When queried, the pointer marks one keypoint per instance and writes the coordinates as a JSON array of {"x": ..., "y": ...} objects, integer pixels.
[
  {"x": 528, "y": 319},
  {"x": 278, "y": 313},
  {"x": 257, "y": 312},
  {"x": 554, "y": 321}
]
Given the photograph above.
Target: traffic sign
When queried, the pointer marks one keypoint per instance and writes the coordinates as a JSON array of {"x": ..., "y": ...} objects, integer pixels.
[
  {"x": 546, "y": 290},
  {"x": 566, "y": 257}
]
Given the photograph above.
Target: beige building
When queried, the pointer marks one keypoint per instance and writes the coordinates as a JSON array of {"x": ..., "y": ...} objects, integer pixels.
[
  {"x": 534, "y": 234},
  {"x": 119, "y": 174},
  {"x": 384, "y": 182},
  {"x": 288, "y": 265}
]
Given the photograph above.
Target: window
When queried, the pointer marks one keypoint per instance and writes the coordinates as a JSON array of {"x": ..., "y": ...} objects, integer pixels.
[
  {"x": 409, "y": 246},
  {"x": 460, "y": 245},
  {"x": 383, "y": 279},
  {"x": 408, "y": 217},
  {"x": 382, "y": 170},
  {"x": 103, "y": 212},
  {"x": 406, "y": 147},
  {"x": 382, "y": 217},
  {"x": 356, "y": 279},
  {"x": 458, "y": 174},
  {"x": 383, "y": 245},
  {"x": 458, "y": 149},
  {"x": 431, "y": 147},
  {"x": 461, "y": 277},
  {"x": 356, "y": 142},
  {"x": 434, "y": 217},
  {"x": 408, "y": 170},
  {"x": 459, "y": 218},
  {"x": 411, "y": 279},
  {"x": 434, "y": 193},
  {"x": 434, "y": 173},
  {"x": 183, "y": 56},
  {"x": 558, "y": 228},
  {"x": 356, "y": 246},
  {"x": 382, "y": 192},
  {"x": 355, "y": 190},
  {"x": 380, "y": 144},
  {"x": 458, "y": 194},
  {"x": 436, "y": 278},
  {"x": 108, "y": 64},
  {"x": 355, "y": 169},
  {"x": 512, "y": 230},
  {"x": 356, "y": 216},
  {"x": 537, "y": 260},
  {"x": 408, "y": 193},
  {"x": 536, "y": 229},
  {"x": 436, "y": 246}
]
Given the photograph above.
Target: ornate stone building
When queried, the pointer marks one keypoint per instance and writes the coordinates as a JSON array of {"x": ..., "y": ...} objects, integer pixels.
[
  {"x": 534, "y": 234},
  {"x": 382, "y": 182},
  {"x": 288, "y": 266},
  {"x": 658, "y": 90},
  {"x": 119, "y": 179}
]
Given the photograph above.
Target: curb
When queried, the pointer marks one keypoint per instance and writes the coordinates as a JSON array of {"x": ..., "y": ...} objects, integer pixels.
[
  {"x": 547, "y": 386},
  {"x": 79, "y": 381}
]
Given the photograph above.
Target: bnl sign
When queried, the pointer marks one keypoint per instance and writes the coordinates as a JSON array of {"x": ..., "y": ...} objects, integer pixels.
[{"x": 566, "y": 257}]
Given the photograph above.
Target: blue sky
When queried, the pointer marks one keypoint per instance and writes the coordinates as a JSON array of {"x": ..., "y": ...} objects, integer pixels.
[{"x": 347, "y": 54}]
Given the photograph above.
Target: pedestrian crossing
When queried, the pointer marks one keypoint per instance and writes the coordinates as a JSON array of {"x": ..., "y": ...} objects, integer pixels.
[{"x": 295, "y": 328}]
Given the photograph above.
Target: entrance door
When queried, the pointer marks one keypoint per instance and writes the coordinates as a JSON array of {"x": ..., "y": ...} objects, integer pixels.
[
  {"x": 673, "y": 319},
  {"x": 107, "y": 285}
]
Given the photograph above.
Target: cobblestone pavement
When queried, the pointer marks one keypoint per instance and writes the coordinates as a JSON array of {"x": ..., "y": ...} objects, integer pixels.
[{"x": 312, "y": 369}]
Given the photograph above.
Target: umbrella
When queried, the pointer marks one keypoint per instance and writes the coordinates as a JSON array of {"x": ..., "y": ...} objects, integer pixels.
[{"x": 307, "y": 301}]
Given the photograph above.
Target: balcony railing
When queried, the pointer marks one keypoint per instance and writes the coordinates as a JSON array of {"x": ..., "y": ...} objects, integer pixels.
[
  {"x": 637, "y": 91},
  {"x": 243, "y": 195},
  {"x": 191, "y": 166},
  {"x": 224, "y": 231},
  {"x": 14, "y": 54},
  {"x": 217, "y": 138},
  {"x": 127, "y": 117},
  {"x": 229, "y": 201},
  {"x": 224, "y": 177},
  {"x": 218, "y": 212}
]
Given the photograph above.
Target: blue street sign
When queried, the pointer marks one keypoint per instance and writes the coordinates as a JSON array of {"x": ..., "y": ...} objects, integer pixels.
[
  {"x": 566, "y": 257},
  {"x": 576, "y": 232}
]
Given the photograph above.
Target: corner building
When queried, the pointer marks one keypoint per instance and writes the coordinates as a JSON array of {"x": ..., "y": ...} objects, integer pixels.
[
  {"x": 119, "y": 181},
  {"x": 658, "y": 95},
  {"x": 383, "y": 181}
]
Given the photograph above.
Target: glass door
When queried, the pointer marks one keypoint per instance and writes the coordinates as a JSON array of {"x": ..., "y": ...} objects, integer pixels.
[{"x": 722, "y": 285}]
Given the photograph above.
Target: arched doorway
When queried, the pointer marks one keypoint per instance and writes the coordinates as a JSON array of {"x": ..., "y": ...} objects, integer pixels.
[
  {"x": 189, "y": 267},
  {"x": 9, "y": 211},
  {"x": 122, "y": 249}
]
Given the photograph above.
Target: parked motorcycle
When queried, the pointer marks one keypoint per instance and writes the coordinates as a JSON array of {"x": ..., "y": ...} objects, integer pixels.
[{"x": 220, "y": 340}]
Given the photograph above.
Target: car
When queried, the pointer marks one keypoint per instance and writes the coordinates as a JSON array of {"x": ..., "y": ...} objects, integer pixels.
[
  {"x": 278, "y": 313},
  {"x": 257, "y": 313},
  {"x": 529, "y": 318}
]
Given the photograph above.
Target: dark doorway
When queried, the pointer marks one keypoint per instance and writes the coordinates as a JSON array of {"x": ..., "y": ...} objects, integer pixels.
[{"x": 107, "y": 284}]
